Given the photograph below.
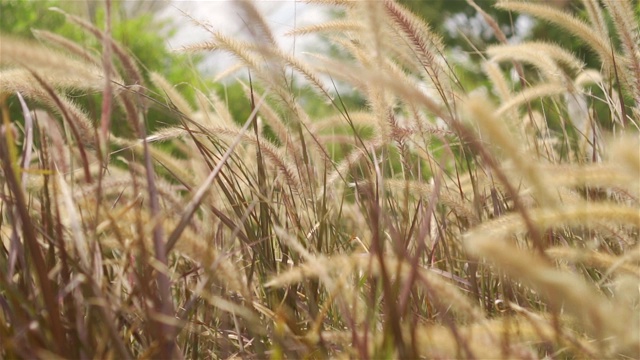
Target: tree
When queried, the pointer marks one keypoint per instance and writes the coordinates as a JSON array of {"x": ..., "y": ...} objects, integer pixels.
[{"x": 142, "y": 34}]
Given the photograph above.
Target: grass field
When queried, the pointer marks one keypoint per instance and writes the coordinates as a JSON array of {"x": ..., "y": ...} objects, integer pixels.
[{"x": 433, "y": 220}]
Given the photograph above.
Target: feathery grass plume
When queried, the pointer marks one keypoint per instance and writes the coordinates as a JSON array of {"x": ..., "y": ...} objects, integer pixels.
[
  {"x": 370, "y": 52},
  {"x": 273, "y": 73},
  {"x": 214, "y": 102},
  {"x": 426, "y": 45},
  {"x": 256, "y": 23},
  {"x": 197, "y": 198},
  {"x": 120, "y": 188},
  {"x": 489, "y": 125},
  {"x": 439, "y": 288},
  {"x": 272, "y": 153},
  {"x": 570, "y": 215},
  {"x": 529, "y": 94},
  {"x": 107, "y": 93},
  {"x": 199, "y": 47},
  {"x": 447, "y": 198},
  {"x": 249, "y": 54},
  {"x": 596, "y": 17},
  {"x": 23, "y": 81},
  {"x": 46, "y": 69},
  {"x": 588, "y": 77},
  {"x": 316, "y": 266},
  {"x": 204, "y": 115},
  {"x": 279, "y": 127},
  {"x": 624, "y": 153},
  {"x": 604, "y": 319},
  {"x": 53, "y": 64},
  {"x": 617, "y": 67},
  {"x": 516, "y": 337},
  {"x": 351, "y": 160},
  {"x": 179, "y": 171},
  {"x": 545, "y": 56},
  {"x": 628, "y": 31},
  {"x": 408, "y": 91},
  {"x": 338, "y": 3},
  {"x": 337, "y": 26},
  {"x": 610, "y": 263},
  {"x": 504, "y": 92},
  {"x": 498, "y": 80},
  {"x": 544, "y": 326},
  {"x": 67, "y": 45},
  {"x": 382, "y": 125},
  {"x": 577, "y": 27},
  {"x": 603, "y": 175},
  {"x": 177, "y": 100},
  {"x": 228, "y": 72},
  {"x": 68, "y": 206},
  {"x": 80, "y": 127},
  {"x": 298, "y": 65}
]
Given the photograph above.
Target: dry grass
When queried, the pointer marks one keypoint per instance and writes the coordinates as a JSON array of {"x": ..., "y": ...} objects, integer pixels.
[{"x": 435, "y": 222}]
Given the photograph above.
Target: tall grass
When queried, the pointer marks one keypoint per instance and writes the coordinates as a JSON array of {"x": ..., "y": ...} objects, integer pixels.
[{"x": 436, "y": 221}]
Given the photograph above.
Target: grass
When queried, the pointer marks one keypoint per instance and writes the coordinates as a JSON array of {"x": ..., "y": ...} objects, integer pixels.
[{"x": 436, "y": 221}]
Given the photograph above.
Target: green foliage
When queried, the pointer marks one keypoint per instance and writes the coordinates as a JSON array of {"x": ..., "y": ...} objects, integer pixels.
[
  {"x": 143, "y": 36},
  {"x": 18, "y": 17}
]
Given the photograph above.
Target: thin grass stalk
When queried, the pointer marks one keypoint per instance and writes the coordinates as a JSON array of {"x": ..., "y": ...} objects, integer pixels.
[
  {"x": 70, "y": 120},
  {"x": 165, "y": 307},
  {"x": 131, "y": 69},
  {"x": 627, "y": 28},
  {"x": 29, "y": 236},
  {"x": 195, "y": 202},
  {"x": 392, "y": 327},
  {"x": 66, "y": 45},
  {"x": 27, "y": 146},
  {"x": 572, "y": 24},
  {"x": 107, "y": 92},
  {"x": 16, "y": 251},
  {"x": 269, "y": 251}
]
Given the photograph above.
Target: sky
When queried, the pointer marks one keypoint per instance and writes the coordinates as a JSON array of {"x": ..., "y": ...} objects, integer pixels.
[{"x": 282, "y": 15}]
